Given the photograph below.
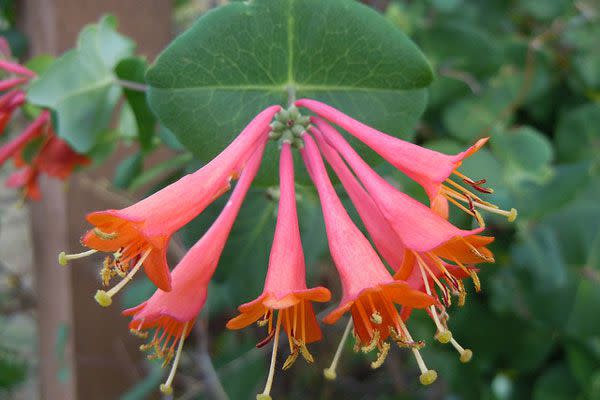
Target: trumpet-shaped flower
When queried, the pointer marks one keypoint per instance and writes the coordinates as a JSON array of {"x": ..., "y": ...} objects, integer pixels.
[
  {"x": 370, "y": 293},
  {"x": 451, "y": 244},
  {"x": 285, "y": 291},
  {"x": 172, "y": 314},
  {"x": 139, "y": 234},
  {"x": 431, "y": 169}
]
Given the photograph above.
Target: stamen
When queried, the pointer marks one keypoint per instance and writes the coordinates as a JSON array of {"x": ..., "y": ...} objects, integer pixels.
[
  {"x": 443, "y": 335},
  {"x": 471, "y": 272},
  {"x": 104, "y": 235},
  {"x": 265, "y": 394},
  {"x": 166, "y": 387},
  {"x": 373, "y": 343},
  {"x": 266, "y": 340},
  {"x": 465, "y": 354},
  {"x": 428, "y": 376},
  {"x": 477, "y": 202},
  {"x": 330, "y": 373},
  {"x": 105, "y": 298},
  {"x": 381, "y": 356},
  {"x": 306, "y": 354},
  {"x": 63, "y": 258},
  {"x": 290, "y": 360}
]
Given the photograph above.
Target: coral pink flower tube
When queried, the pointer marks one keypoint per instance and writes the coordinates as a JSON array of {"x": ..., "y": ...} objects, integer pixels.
[
  {"x": 428, "y": 167},
  {"x": 31, "y": 132},
  {"x": 193, "y": 273},
  {"x": 385, "y": 239},
  {"x": 417, "y": 226},
  {"x": 148, "y": 225},
  {"x": 285, "y": 285}
]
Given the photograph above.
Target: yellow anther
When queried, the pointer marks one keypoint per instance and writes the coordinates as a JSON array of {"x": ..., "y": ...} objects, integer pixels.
[
  {"x": 166, "y": 389},
  {"x": 381, "y": 356},
  {"x": 262, "y": 322},
  {"x": 145, "y": 347},
  {"x": 428, "y": 377},
  {"x": 329, "y": 374},
  {"x": 513, "y": 215},
  {"x": 444, "y": 336},
  {"x": 263, "y": 396},
  {"x": 376, "y": 318},
  {"x": 466, "y": 356},
  {"x": 290, "y": 360},
  {"x": 373, "y": 344},
  {"x": 306, "y": 354},
  {"x": 139, "y": 333},
  {"x": 103, "y": 235},
  {"x": 103, "y": 298}
]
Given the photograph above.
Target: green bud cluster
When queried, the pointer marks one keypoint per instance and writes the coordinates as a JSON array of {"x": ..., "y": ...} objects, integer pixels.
[{"x": 289, "y": 126}]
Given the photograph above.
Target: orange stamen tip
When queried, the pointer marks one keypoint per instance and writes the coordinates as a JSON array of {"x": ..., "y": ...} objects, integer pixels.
[
  {"x": 466, "y": 356},
  {"x": 103, "y": 298},
  {"x": 168, "y": 390},
  {"x": 428, "y": 377},
  {"x": 513, "y": 215},
  {"x": 443, "y": 337},
  {"x": 62, "y": 258},
  {"x": 263, "y": 396},
  {"x": 329, "y": 374}
]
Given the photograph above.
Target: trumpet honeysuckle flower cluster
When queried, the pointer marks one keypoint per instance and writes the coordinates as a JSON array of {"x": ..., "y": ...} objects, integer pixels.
[
  {"x": 53, "y": 156},
  {"x": 411, "y": 257}
]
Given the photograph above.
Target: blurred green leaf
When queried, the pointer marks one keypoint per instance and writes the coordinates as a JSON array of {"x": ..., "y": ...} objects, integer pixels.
[
  {"x": 556, "y": 384},
  {"x": 129, "y": 169},
  {"x": 526, "y": 154},
  {"x": 13, "y": 369},
  {"x": 133, "y": 70},
  {"x": 577, "y": 134},
  {"x": 80, "y": 86}
]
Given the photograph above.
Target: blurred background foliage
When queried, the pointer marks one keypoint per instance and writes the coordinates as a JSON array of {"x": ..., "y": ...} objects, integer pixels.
[{"x": 525, "y": 72}]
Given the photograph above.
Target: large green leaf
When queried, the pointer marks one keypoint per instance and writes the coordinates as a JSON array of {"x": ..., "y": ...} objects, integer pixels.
[
  {"x": 577, "y": 134},
  {"x": 81, "y": 87},
  {"x": 245, "y": 56}
]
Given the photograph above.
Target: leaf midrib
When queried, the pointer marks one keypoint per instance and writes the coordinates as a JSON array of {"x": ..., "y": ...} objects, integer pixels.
[{"x": 285, "y": 86}]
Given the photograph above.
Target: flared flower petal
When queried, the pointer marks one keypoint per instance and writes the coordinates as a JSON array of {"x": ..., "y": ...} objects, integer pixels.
[{"x": 57, "y": 159}]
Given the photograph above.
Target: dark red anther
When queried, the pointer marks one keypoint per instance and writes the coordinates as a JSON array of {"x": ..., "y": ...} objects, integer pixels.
[
  {"x": 483, "y": 189},
  {"x": 266, "y": 340},
  {"x": 471, "y": 206}
]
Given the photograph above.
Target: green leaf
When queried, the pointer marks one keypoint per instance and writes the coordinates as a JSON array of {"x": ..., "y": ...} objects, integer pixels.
[
  {"x": 557, "y": 383},
  {"x": 242, "y": 57},
  {"x": 577, "y": 134},
  {"x": 80, "y": 86},
  {"x": 13, "y": 369},
  {"x": 40, "y": 64},
  {"x": 154, "y": 172},
  {"x": 526, "y": 154},
  {"x": 128, "y": 170},
  {"x": 133, "y": 70}
]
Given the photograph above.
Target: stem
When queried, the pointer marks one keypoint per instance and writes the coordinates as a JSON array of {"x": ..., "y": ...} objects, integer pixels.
[{"x": 138, "y": 87}]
